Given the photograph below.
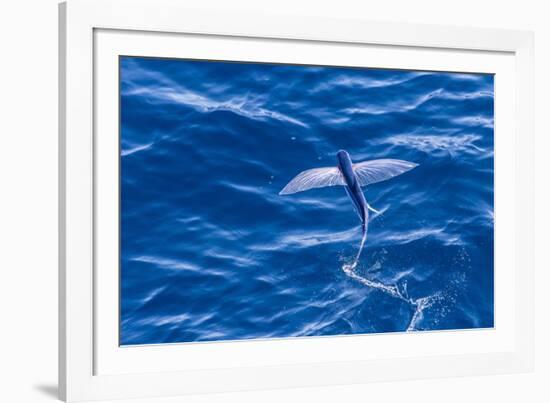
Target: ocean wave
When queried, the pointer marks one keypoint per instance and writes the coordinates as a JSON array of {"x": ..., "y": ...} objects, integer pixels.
[
  {"x": 135, "y": 149},
  {"x": 362, "y": 82},
  {"x": 161, "y": 90},
  {"x": 307, "y": 239},
  {"x": 176, "y": 265},
  {"x": 242, "y": 105},
  {"x": 396, "y": 237},
  {"x": 410, "y": 103},
  {"x": 165, "y": 263},
  {"x": 458, "y": 143}
]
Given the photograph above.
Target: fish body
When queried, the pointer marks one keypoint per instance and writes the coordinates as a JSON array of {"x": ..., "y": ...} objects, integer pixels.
[{"x": 352, "y": 187}]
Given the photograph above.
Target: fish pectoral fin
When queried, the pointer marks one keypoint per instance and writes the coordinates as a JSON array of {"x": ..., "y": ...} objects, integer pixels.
[
  {"x": 314, "y": 178},
  {"x": 374, "y": 171}
]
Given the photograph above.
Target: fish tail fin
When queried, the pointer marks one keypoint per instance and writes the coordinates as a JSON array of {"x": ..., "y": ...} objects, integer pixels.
[
  {"x": 373, "y": 210},
  {"x": 364, "y": 229},
  {"x": 365, "y": 222}
]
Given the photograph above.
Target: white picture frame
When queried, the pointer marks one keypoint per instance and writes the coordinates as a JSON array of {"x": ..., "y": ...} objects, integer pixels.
[{"x": 92, "y": 366}]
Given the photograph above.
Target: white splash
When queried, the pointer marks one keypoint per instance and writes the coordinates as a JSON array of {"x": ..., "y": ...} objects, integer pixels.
[{"x": 419, "y": 304}]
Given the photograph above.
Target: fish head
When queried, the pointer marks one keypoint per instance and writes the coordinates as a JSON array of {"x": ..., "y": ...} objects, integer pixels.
[{"x": 343, "y": 158}]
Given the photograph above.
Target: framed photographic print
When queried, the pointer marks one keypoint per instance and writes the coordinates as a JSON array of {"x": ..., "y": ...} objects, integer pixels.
[{"x": 258, "y": 201}]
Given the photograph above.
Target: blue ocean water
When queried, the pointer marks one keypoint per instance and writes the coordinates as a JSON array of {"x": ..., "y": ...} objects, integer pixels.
[{"x": 210, "y": 250}]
